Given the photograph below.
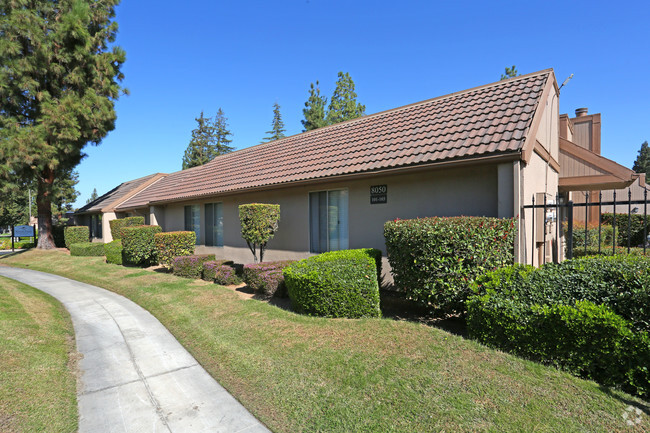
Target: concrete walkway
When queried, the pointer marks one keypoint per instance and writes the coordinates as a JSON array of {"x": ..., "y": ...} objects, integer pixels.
[{"x": 135, "y": 376}]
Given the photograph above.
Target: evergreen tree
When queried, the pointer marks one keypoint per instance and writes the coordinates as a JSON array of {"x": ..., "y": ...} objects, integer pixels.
[
  {"x": 343, "y": 105},
  {"x": 277, "y": 126},
  {"x": 314, "y": 111},
  {"x": 58, "y": 85},
  {"x": 93, "y": 196},
  {"x": 64, "y": 193},
  {"x": 510, "y": 73},
  {"x": 209, "y": 140},
  {"x": 642, "y": 163},
  {"x": 14, "y": 204}
]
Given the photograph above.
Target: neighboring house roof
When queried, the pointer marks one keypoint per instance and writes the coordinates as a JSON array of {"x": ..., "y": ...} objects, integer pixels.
[
  {"x": 117, "y": 195},
  {"x": 584, "y": 170},
  {"x": 487, "y": 121}
]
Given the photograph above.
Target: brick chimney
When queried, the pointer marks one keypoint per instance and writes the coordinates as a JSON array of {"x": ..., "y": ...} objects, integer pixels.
[{"x": 581, "y": 112}]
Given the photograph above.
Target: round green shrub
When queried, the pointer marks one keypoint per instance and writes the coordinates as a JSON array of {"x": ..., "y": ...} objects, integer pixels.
[{"x": 335, "y": 284}]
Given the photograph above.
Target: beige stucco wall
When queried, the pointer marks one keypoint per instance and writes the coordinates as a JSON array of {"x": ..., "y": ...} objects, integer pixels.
[
  {"x": 449, "y": 192},
  {"x": 106, "y": 226}
]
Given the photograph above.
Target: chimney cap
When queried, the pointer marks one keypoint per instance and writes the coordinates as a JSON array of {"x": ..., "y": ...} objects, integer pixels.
[{"x": 580, "y": 112}]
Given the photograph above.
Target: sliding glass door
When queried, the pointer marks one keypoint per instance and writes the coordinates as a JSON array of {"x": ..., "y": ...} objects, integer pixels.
[
  {"x": 214, "y": 224},
  {"x": 328, "y": 220}
]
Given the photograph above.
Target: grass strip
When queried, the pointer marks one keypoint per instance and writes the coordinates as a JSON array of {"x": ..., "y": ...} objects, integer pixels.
[
  {"x": 37, "y": 357},
  {"x": 305, "y": 374}
]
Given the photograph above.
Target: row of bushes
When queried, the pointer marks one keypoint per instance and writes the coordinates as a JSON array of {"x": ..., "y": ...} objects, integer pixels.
[
  {"x": 589, "y": 234},
  {"x": 622, "y": 222},
  {"x": 588, "y": 316}
]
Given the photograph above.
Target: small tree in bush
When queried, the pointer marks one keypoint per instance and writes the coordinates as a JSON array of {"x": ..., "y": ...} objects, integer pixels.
[
  {"x": 174, "y": 244},
  {"x": 118, "y": 224},
  {"x": 259, "y": 222},
  {"x": 76, "y": 235},
  {"x": 139, "y": 246}
]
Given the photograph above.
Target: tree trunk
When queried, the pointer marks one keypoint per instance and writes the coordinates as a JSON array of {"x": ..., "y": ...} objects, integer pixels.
[{"x": 44, "y": 206}]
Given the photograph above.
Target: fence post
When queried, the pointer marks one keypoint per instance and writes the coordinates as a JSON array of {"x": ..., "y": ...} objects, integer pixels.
[
  {"x": 614, "y": 227},
  {"x": 569, "y": 234},
  {"x": 12, "y": 238},
  {"x": 586, "y": 220},
  {"x": 600, "y": 214},
  {"x": 532, "y": 254},
  {"x": 544, "y": 225},
  {"x": 645, "y": 217},
  {"x": 629, "y": 218}
]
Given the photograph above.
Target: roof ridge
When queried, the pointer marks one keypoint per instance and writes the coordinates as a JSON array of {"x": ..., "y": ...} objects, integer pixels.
[{"x": 379, "y": 113}]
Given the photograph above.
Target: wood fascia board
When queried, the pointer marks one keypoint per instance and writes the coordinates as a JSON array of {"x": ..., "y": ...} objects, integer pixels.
[
  {"x": 601, "y": 162},
  {"x": 454, "y": 163},
  {"x": 114, "y": 205},
  {"x": 531, "y": 138},
  {"x": 546, "y": 156},
  {"x": 593, "y": 183}
]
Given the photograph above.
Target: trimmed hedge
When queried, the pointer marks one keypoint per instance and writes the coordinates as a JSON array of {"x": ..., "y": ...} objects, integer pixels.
[
  {"x": 266, "y": 278},
  {"x": 335, "y": 284},
  {"x": 190, "y": 266},
  {"x": 174, "y": 244},
  {"x": 636, "y": 229},
  {"x": 113, "y": 252},
  {"x": 588, "y": 315},
  {"x": 434, "y": 260},
  {"x": 220, "y": 272},
  {"x": 76, "y": 235},
  {"x": 120, "y": 223},
  {"x": 87, "y": 249},
  {"x": 607, "y": 251},
  {"x": 138, "y": 245}
]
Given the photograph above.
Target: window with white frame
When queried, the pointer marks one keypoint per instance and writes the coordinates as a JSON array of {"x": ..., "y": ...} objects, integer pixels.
[
  {"x": 214, "y": 224},
  {"x": 328, "y": 220},
  {"x": 193, "y": 220}
]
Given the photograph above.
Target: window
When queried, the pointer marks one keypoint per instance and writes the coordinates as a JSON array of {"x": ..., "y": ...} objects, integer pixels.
[
  {"x": 214, "y": 224},
  {"x": 328, "y": 220},
  {"x": 98, "y": 226},
  {"x": 193, "y": 220}
]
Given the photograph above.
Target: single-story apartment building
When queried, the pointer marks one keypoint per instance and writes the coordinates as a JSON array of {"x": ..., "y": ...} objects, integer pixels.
[
  {"x": 97, "y": 214},
  {"x": 485, "y": 151}
]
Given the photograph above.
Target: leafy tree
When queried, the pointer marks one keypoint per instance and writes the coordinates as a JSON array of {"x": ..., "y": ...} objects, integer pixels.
[
  {"x": 314, "y": 110},
  {"x": 14, "y": 204},
  {"x": 510, "y": 73},
  {"x": 58, "y": 85},
  {"x": 642, "y": 163},
  {"x": 209, "y": 140},
  {"x": 277, "y": 126},
  {"x": 93, "y": 196},
  {"x": 343, "y": 105},
  {"x": 259, "y": 222},
  {"x": 64, "y": 193}
]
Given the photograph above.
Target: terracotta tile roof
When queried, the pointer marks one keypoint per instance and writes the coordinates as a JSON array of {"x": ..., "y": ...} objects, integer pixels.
[
  {"x": 491, "y": 119},
  {"x": 118, "y": 194}
]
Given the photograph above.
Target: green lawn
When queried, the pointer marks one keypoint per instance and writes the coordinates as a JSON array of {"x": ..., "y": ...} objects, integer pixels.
[
  {"x": 300, "y": 373},
  {"x": 37, "y": 374}
]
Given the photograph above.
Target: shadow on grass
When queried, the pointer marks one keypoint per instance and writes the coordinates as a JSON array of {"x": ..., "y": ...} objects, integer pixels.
[
  {"x": 395, "y": 307},
  {"x": 641, "y": 405}
]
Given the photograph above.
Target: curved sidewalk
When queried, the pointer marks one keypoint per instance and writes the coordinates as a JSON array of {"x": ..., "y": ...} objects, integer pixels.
[{"x": 135, "y": 376}]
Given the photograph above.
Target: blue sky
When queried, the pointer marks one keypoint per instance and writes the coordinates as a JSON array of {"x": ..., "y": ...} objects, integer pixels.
[{"x": 243, "y": 56}]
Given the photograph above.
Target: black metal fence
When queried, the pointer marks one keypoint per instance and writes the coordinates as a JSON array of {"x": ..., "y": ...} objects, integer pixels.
[{"x": 564, "y": 213}]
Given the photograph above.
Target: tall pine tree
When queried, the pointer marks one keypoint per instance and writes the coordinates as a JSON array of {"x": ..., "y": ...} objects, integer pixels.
[
  {"x": 58, "y": 85},
  {"x": 642, "y": 163},
  {"x": 209, "y": 140},
  {"x": 343, "y": 105},
  {"x": 314, "y": 110},
  {"x": 510, "y": 73},
  {"x": 277, "y": 126},
  {"x": 93, "y": 196}
]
